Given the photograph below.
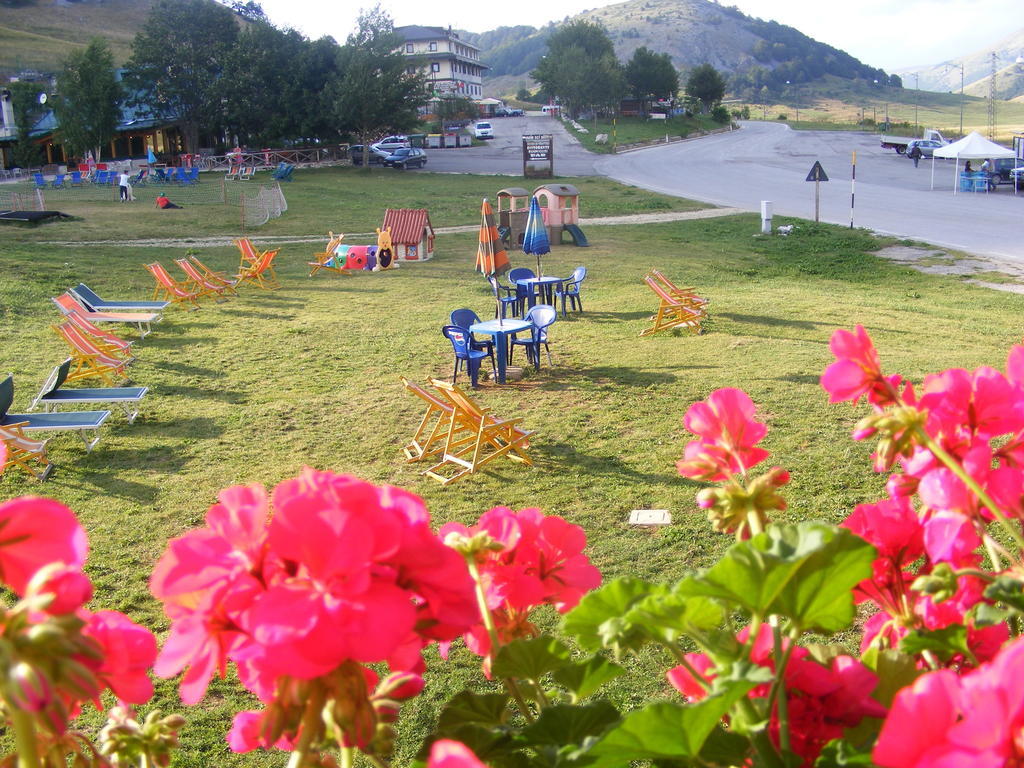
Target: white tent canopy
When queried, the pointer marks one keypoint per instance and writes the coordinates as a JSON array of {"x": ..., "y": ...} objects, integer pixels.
[{"x": 973, "y": 146}]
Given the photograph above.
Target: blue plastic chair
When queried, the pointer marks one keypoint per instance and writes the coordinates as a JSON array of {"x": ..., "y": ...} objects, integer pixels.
[
  {"x": 58, "y": 182},
  {"x": 540, "y": 317},
  {"x": 76, "y": 178},
  {"x": 464, "y": 318},
  {"x": 460, "y": 339},
  {"x": 571, "y": 290},
  {"x": 39, "y": 181},
  {"x": 523, "y": 293},
  {"x": 509, "y": 300}
]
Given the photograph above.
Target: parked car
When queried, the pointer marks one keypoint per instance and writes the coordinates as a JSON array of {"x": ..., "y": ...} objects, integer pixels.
[
  {"x": 515, "y": 112},
  {"x": 927, "y": 146},
  {"x": 483, "y": 131},
  {"x": 390, "y": 143},
  {"x": 406, "y": 157},
  {"x": 1001, "y": 170},
  {"x": 508, "y": 112},
  {"x": 355, "y": 154}
]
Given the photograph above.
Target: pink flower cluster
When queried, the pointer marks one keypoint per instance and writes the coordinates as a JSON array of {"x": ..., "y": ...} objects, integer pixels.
[
  {"x": 822, "y": 701},
  {"x": 538, "y": 560},
  {"x": 62, "y": 655},
  {"x": 727, "y": 437},
  {"x": 343, "y": 572}
]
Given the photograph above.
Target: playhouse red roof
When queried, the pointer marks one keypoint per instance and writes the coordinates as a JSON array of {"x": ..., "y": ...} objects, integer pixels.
[{"x": 407, "y": 224}]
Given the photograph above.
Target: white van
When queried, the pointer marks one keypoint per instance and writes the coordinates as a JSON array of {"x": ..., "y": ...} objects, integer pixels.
[{"x": 551, "y": 109}]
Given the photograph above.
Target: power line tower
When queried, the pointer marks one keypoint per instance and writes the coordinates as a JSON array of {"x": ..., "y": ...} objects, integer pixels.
[{"x": 992, "y": 100}]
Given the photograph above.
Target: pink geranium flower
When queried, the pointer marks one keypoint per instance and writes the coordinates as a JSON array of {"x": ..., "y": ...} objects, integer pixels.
[
  {"x": 728, "y": 435},
  {"x": 857, "y": 370},
  {"x": 35, "y": 532},
  {"x": 129, "y": 651},
  {"x": 446, "y": 753}
]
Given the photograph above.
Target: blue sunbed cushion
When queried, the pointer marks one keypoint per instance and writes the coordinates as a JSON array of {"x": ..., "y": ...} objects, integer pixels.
[
  {"x": 97, "y": 395},
  {"x": 66, "y": 420},
  {"x": 95, "y": 303}
]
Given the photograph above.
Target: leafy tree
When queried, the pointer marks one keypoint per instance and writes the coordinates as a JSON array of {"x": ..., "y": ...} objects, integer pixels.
[
  {"x": 27, "y": 110},
  {"x": 707, "y": 85},
  {"x": 374, "y": 93},
  {"x": 87, "y": 107},
  {"x": 580, "y": 67},
  {"x": 651, "y": 75},
  {"x": 177, "y": 64},
  {"x": 451, "y": 108}
]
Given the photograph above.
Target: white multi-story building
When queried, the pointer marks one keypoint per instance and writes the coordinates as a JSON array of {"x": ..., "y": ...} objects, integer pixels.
[{"x": 452, "y": 66}]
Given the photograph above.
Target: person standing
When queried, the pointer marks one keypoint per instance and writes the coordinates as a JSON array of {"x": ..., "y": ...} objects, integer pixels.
[
  {"x": 915, "y": 154},
  {"x": 122, "y": 183}
]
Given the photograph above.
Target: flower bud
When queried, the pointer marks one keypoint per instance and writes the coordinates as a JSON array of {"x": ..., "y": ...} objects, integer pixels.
[
  {"x": 941, "y": 583},
  {"x": 28, "y": 688},
  {"x": 400, "y": 686},
  {"x": 386, "y": 710},
  {"x": 70, "y": 588}
]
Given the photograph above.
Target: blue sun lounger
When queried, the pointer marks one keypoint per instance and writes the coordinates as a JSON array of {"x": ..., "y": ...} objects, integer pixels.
[
  {"x": 82, "y": 422},
  {"x": 88, "y": 297},
  {"x": 52, "y": 397}
]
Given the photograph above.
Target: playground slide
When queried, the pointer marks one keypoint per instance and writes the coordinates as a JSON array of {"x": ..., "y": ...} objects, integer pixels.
[{"x": 577, "y": 235}]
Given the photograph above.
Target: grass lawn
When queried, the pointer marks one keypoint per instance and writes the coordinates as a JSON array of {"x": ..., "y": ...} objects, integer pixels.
[
  {"x": 629, "y": 130},
  {"x": 253, "y": 389}
]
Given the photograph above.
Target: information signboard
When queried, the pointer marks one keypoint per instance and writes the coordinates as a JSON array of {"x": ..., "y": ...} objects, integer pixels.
[{"x": 538, "y": 155}]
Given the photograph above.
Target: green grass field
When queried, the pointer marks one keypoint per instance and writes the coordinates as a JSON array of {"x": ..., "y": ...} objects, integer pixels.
[{"x": 253, "y": 389}]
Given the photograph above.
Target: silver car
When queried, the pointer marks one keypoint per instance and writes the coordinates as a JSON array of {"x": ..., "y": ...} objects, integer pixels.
[{"x": 927, "y": 146}]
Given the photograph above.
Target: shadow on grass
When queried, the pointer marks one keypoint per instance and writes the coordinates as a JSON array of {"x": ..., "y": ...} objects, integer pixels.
[
  {"x": 263, "y": 315},
  {"x": 561, "y": 455},
  {"x": 617, "y": 317},
  {"x": 173, "y": 341},
  {"x": 800, "y": 378},
  {"x": 771, "y": 321},
  {"x": 189, "y": 370},
  {"x": 224, "y": 395}
]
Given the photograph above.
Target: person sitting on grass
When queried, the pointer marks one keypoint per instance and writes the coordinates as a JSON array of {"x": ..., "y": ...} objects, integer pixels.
[{"x": 163, "y": 202}]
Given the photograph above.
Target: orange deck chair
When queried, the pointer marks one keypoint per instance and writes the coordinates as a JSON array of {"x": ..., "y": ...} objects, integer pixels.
[
  {"x": 105, "y": 341},
  {"x": 687, "y": 296},
  {"x": 67, "y": 304},
  {"x": 327, "y": 258},
  {"x": 251, "y": 255},
  {"x": 169, "y": 288},
  {"x": 432, "y": 432},
  {"x": 475, "y": 437},
  {"x": 199, "y": 283},
  {"x": 672, "y": 312},
  {"x": 24, "y": 452},
  {"x": 87, "y": 360},
  {"x": 261, "y": 273},
  {"x": 221, "y": 278}
]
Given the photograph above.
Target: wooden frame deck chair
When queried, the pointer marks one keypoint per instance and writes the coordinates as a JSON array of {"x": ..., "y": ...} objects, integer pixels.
[
  {"x": 81, "y": 422},
  {"x": 672, "y": 312},
  {"x": 199, "y": 282},
  {"x": 52, "y": 397},
  {"x": 167, "y": 286},
  {"x": 23, "y": 451},
  {"x": 141, "y": 320},
  {"x": 432, "y": 432},
  {"x": 105, "y": 341},
  {"x": 251, "y": 255},
  {"x": 261, "y": 273},
  {"x": 327, "y": 258},
  {"x": 89, "y": 298},
  {"x": 687, "y": 295},
  {"x": 87, "y": 360},
  {"x": 221, "y": 278},
  {"x": 475, "y": 437}
]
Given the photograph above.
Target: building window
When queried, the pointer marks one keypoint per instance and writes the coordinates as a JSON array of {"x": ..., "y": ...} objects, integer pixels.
[
  {"x": 409, "y": 48},
  {"x": 435, "y": 67},
  {"x": 432, "y": 46},
  {"x": 410, "y": 70}
]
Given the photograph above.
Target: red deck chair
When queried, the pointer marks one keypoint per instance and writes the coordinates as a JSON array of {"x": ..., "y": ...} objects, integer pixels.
[
  {"x": 87, "y": 360},
  {"x": 67, "y": 304},
  {"x": 200, "y": 283},
  {"x": 169, "y": 288},
  {"x": 105, "y": 341},
  {"x": 261, "y": 273}
]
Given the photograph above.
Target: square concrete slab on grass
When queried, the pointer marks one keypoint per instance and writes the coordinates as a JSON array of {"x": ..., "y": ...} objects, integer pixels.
[{"x": 650, "y": 517}]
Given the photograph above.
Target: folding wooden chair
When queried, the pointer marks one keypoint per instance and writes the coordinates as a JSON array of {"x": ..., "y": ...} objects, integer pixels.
[
  {"x": 171, "y": 289},
  {"x": 686, "y": 296},
  {"x": 24, "y": 452},
  {"x": 328, "y": 259},
  {"x": 86, "y": 424},
  {"x": 87, "y": 360},
  {"x": 221, "y": 278},
  {"x": 432, "y": 432},
  {"x": 261, "y": 273},
  {"x": 251, "y": 255},
  {"x": 198, "y": 283},
  {"x": 474, "y": 437},
  {"x": 672, "y": 312},
  {"x": 67, "y": 303},
  {"x": 105, "y": 341}
]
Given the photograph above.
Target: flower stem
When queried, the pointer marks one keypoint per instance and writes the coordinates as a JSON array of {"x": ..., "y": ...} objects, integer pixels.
[
  {"x": 347, "y": 757},
  {"x": 685, "y": 664},
  {"x": 779, "y": 685},
  {"x": 308, "y": 730},
  {"x": 24, "y": 738}
]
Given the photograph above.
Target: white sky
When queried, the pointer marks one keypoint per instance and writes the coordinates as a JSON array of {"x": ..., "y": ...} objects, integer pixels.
[{"x": 891, "y": 34}]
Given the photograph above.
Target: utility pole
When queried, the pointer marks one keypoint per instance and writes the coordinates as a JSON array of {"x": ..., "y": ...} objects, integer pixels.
[
  {"x": 961, "y": 99},
  {"x": 917, "y": 95},
  {"x": 992, "y": 100}
]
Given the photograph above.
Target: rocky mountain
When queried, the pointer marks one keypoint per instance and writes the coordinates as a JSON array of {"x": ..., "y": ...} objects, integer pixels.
[
  {"x": 977, "y": 69},
  {"x": 754, "y": 52}
]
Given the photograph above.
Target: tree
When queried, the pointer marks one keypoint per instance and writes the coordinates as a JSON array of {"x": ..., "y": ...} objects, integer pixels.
[
  {"x": 88, "y": 102},
  {"x": 580, "y": 67},
  {"x": 451, "y": 108},
  {"x": 707, "y": 85},
  {"x": 374, "y": 93},
  {"x": 651, "y": 75},
  {"x": 27, "y": 110},
  {"x": 177, "y": 64}
]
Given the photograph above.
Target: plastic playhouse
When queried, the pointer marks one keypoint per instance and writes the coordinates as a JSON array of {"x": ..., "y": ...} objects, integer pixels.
[
  {"x": 513, "y": 209},
  {"x": 412, "y": 235},
  {"x": 560, "y": 205}
]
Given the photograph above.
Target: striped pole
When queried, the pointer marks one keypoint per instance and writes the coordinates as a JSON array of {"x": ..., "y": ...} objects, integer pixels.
[{"x": 853, "y": 186}]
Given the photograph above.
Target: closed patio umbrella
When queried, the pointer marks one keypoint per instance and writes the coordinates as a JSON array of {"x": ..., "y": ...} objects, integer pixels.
[
  {"x": 491, "y": 257},
  {"x": 535, "y": 238}
]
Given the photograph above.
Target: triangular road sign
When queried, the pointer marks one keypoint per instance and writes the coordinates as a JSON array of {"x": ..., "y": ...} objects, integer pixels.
[{"x": 817, "y": 173}]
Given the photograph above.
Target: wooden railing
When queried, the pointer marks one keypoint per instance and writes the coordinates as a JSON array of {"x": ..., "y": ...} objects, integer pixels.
[{"x": 268, "y": 158}]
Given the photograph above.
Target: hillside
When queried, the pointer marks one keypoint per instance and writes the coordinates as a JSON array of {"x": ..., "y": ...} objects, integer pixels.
[
  {"x": 754, "y": 52},
  {"x": 977, "y": 66}
]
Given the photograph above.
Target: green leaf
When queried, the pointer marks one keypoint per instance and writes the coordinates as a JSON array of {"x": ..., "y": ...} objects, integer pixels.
[
  {"x": 1008, "y": 591},
  {"x": 584, "y": 678},
  {"x": 496, "y": 748},
  {"x": 840, "y": 753},
  {"x": 666, "y": 617},
  {"x": 895, "y": 670},
  {"x": 530, "y": 659},
  {"x": 944, "y": 643},
  {"x": 722, "y": 747},
  {"x": 664, "y": 730},
  {"x": 489, "y": 709},
  {"x": 567, "y": 724},
  {"x": 599, "y": 620},
  {"x": 804, "y": 572}
]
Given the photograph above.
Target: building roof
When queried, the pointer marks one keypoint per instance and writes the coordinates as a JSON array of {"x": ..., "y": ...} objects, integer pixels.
[
  {"x": 513, "y": 192},
  {"x": 561, "y": 190},
  {"x": 416, "y": 32},
  {"x": 407, "y": 224}
]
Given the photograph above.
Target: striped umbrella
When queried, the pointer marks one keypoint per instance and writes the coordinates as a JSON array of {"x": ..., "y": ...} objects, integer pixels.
[
  {"x": 535, "y": 238},
  {"x": 491, "y": 258}
]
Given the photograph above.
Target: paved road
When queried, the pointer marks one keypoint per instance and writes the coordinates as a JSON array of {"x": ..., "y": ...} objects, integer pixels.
[{"x": 769, "y": 161}]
